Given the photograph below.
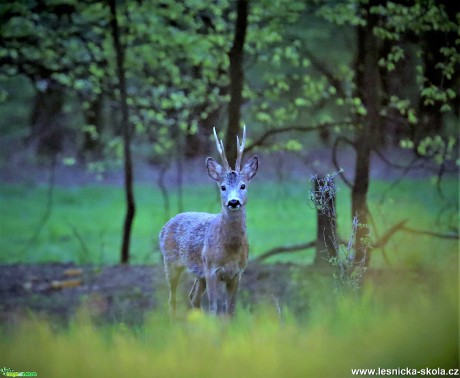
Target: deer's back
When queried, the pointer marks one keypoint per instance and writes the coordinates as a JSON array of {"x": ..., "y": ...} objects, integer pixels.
[{"x": 182, "y": 239}]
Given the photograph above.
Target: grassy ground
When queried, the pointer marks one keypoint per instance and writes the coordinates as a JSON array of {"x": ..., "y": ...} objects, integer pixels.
[
  {"x": 84, "y": 224},
  {"x": 390, "y": 326}
]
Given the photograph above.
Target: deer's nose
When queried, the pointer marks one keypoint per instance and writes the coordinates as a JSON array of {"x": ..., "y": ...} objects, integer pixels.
[{"x": 234, "y": 204}]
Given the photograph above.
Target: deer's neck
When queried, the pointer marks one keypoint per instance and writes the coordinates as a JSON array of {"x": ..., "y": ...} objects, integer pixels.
[{"x": 233, "y": 224}]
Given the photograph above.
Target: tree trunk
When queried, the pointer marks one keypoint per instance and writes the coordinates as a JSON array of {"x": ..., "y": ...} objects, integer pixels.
[
  {"x": 200, "y": 143},
  {"x": 431, "y": 118},
  {"x": 399, "y": 82},
  {"x": 367, "y": 74},
  {"x": 236, "y": 80},
  {"x": 128, "y": 167},
  {"x": 326, "y": 232},
  {"x": 48, "y": 129},
  {"x": 94, "y": 118}
]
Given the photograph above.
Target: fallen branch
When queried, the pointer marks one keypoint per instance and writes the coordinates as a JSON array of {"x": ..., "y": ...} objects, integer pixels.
[
  {"x": 284, "y": 249},
  {"x": 430, "y": 233},
  {"x": 379, "y": 244},
  {"x": 389, "y": 234}
]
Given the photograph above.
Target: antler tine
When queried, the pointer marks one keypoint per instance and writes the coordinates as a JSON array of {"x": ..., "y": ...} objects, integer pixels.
[
  {"x": 221, "y": 150},
  {"x": 240, "y": 149}
]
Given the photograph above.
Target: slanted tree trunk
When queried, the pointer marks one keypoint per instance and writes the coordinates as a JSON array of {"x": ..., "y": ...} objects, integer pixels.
[
  {"x": 367, "y": 74},
  {"x": 236, "y": 80},
  {"x": 128, "y": 166}
]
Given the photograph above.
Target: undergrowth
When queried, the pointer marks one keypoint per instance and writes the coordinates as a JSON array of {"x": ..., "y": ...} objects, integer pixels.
[{"x": 382, "y": 328}]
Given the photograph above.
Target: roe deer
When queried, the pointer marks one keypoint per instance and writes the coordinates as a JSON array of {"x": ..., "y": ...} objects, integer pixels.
[{"x": 213, "y": 247}]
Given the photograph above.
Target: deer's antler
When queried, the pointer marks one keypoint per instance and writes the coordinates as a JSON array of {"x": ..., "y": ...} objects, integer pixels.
[
  {"x": 240, "y": 149},
  {"x": 221, "y": 150}
]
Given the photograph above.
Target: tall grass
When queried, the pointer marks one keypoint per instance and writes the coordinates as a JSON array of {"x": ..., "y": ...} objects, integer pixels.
[
  {"x": 85, "y": 222},
  {"x": 386, "y": 328}
]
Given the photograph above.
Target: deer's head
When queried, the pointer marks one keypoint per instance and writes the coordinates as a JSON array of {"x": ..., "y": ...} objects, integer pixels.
[{"x": 232, "y": 183}]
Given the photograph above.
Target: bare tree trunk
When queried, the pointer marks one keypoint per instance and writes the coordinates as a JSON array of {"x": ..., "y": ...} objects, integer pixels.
[
  {"x": 326, "y": 232},
  {"x": 367, "y": 73},
  {"x": 48, "y": 127},
  {"x": 236, "y": 79},
  {"x": 130, "y": 203}
]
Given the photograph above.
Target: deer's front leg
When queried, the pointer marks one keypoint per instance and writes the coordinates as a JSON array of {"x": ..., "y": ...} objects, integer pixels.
[
  {"x": 211, "y": 286},
  {"x": 199, "y": 286},
  {"x": 232, "y": 289}
]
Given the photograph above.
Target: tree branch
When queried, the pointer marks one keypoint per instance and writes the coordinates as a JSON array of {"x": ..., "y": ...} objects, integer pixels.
[
  {"x": 285, "y": 249},
  {"x": 279, "y": 130},
  {"x": 322, "y": 68},
  {"x": 439, "y": 235},
  {"x": 405, "y": 168},
  {"x": 381, "y": 240},
  {"x": 389, "y": 234}
]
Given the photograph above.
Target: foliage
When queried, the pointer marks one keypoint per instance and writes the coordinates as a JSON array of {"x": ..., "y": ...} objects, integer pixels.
[
  {"x": 436, "y": 66},
  {"x": 167, "y": 87},
  {"x": 299, "y": 68}
]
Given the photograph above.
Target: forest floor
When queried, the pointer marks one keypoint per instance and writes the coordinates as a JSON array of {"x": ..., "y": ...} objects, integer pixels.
[
  {"x": 126, "y": 294},
  {"x": 123, "y": 293}
]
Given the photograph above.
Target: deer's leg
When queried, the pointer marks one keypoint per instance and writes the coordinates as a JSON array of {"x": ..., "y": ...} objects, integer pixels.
[
  {"x": 232, "y": 289},
  {"x": 173, "y": 274},
  {"x": 211, "y": 285},
  {"x": 199, "y": 286}
]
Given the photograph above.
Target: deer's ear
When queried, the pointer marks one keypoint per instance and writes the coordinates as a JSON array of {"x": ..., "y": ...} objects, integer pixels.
[
  {"x": 251, "y": 167},
  {"x": 215, "y": 170}
]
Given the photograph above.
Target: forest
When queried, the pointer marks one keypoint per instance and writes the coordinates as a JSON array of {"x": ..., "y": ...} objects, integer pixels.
[{"x": 110, "y": 111}]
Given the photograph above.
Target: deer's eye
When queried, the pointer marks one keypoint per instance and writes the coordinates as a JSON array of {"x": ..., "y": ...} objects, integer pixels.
[
  {"x": 223, "y": 188},
  {"x": 243, "y": 186}
]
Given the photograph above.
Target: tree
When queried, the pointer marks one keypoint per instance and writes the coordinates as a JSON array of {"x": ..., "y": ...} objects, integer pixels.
[
  {"x": 58, "y": 47},
  {"x": 366, "y": 132},
  {"x": 128, "y": 165},
  {"x": 361, "y": 105},
  {"x": 236, "y": 79}
]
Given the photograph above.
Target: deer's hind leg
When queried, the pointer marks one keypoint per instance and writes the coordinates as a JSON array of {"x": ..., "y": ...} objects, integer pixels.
[
  {"x": 199, "y": 286},
  {"x": 173, "y": 273}
]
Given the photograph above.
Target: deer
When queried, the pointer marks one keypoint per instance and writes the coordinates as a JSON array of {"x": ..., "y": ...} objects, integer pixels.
[{"x": 213, "y": 247}]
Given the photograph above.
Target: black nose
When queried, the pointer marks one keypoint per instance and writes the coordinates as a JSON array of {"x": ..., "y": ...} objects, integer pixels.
[{"x": 233, "y": 204}]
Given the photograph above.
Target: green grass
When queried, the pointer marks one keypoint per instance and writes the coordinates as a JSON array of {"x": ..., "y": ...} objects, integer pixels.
[
  {"x": 86, "y": 222},
  {"x": 393, "y": 325}
]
